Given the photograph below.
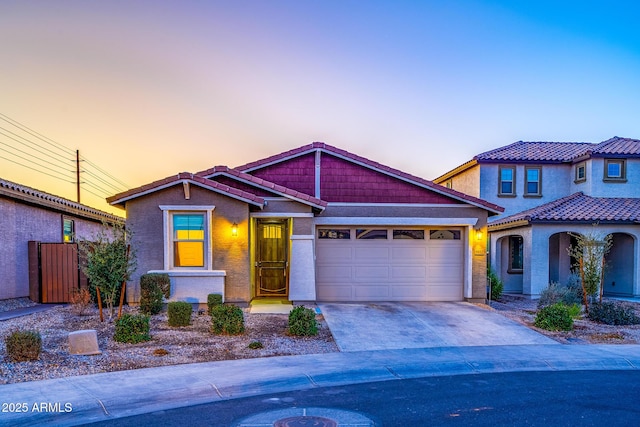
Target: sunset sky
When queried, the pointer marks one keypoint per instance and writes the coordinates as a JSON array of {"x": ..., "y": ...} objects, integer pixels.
[{"x": 146, "y": 89}]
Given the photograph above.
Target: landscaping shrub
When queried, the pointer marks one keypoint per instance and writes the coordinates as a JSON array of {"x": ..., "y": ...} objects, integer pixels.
[
  {"x": 496, "y": 285},
  {"x": 575, "y": 310},
  {"x": 302, "y": 322},
  {"x": 213, "y": 300},
  {"x": 80, "y": 300},
  {"x": 556, "y": 317},
  {"x": 132, "y": 328},
  {"x": 255, "y": 345},
  {"x": 153, "y": 288},
  {"x": 179, "y": 313},
  {"x": 227, "y": 319},
  {"x": 23, "y": 345},
  {"x": 555, "y": 293},
  {"x": 612, "y": 313}
]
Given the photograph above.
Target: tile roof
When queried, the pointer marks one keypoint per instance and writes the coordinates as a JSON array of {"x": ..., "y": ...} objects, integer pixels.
[
  {"x": 523, "y": 151},
  {"x": 185, "y": 176},
  {"x": 234, "y": 173},
  {"x": 372, "y": 164},
  {"x": 617, "y": 146},
  {"x": 40, "y": 198},
  {"x": 577, "y": 207}
]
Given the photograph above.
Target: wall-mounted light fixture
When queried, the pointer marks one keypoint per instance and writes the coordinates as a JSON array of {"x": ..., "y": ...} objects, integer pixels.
[
  {"x": 478, "y": 235},
  {"x": 234, "y": 230}
]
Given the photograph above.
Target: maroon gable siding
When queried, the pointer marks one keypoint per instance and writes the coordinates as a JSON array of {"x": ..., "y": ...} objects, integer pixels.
[
  {"x": 296, "y": 173},
  {"x": 344, "y": 181},
  {"x": 242, "y": 186}
]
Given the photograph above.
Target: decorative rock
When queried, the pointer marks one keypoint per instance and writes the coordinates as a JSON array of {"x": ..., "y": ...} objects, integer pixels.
[{"x": 84, "y": 342}]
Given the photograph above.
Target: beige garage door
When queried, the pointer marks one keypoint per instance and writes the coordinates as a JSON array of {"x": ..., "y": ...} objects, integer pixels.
[{"x": 389, "y": 264}]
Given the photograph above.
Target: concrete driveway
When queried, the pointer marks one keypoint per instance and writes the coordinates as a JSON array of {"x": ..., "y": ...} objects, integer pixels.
[{"x": 386, "y": 326}]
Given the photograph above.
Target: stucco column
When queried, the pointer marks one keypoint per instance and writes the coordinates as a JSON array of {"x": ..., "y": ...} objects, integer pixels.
[{"x": 302, "y": 272}]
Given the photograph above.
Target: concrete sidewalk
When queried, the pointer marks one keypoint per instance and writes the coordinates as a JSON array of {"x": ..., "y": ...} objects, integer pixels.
[{"x": 91, "y": 398}]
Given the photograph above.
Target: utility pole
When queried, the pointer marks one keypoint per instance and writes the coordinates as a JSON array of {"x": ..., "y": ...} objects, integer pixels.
[{"x": 78, "y": 174}]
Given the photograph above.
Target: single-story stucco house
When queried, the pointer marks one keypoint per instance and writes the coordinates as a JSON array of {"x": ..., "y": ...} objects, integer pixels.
[{"x": 316, "y": 223}]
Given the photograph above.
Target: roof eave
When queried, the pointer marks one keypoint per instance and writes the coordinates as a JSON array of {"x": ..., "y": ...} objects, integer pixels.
[{"x": 458, "y": 170}]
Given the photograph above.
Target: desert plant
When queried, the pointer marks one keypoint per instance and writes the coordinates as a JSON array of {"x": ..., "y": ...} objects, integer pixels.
[
  {"x": 213, "y": 300},
  {"x": 612, "y": 313},
  {"x": 590, "y": 251},
  {"x": 556, "y": 317},
  {"x": 80, "y": 300},
  {"x": 302, "y": 321},
  {"x": 496, "y": 284},
  {"x": 23, "y": 345},
  {"x": 179, "y": 313},
  {"x": 108, "y": 261},
  {"x": 255, "y": 345},
  {"x": 556, "y": 292},
  {"x": 153, "y": 288},
  {"x": 132, "y": 328},
  {"x": 227, "y": 319}
]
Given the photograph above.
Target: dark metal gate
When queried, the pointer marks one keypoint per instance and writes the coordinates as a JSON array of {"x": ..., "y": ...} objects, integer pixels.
[{"x": 53, "y": 271}]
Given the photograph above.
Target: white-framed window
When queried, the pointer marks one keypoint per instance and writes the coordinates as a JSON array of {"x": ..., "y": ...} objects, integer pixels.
[
  {"x": 187, "y": 237},
  {"x": 533, "y": 181},
  {"x": 614, "y": 170},
  {"x": 507, "y": 181}
]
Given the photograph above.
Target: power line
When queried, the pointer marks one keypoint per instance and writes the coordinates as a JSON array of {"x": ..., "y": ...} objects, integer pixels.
[
  {"x": 32, "y": 143},
  {"x": 29, "y": 167},
  {"x": 116, "y": 188},
  {"x": 107, "y": 174},
  {"x": 34, "y": 133},
  {"x": 29, "y": 154}
]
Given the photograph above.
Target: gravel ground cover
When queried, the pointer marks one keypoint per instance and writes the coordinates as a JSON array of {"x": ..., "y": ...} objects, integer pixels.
[{"x": 194, "y": 343}]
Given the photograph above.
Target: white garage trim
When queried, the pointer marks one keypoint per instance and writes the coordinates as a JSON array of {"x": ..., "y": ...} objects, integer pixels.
[{"x": 394, "y": 221}]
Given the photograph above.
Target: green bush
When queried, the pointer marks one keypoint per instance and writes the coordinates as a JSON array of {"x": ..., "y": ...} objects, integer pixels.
[
  {"x": 302, "y": 321},
  {"x": 179, "y": 313},
  {"x": 496, "y": 285},
  {"x": 575, "y": 310},
  {"x": 23, "y": 345},
  {"x": 132, "y": 328},
  {"x": 556, "y": 317},
  {"x": 227, "y": 320},
  {"x": 255, "y": 345},
  {"x": 612, "y": 313},
  {"x": 213, "y": 300},
  {"x": 556, "y": 292},
  {"x": 153, "y": 288}
]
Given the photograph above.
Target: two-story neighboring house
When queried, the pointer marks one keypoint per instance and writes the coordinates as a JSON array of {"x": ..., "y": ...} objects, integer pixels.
[{"x": 551, "y": 190}]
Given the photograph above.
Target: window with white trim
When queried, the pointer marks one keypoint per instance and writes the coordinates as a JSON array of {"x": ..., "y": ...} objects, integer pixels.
[{"x": 187, "y": 242}]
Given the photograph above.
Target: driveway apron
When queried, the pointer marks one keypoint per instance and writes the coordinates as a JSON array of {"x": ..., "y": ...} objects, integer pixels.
[{"x": 386, "y": 326}]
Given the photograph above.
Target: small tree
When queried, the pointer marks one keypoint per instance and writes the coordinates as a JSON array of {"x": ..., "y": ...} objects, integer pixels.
[
  {"x": 108, "y": 261},
  {"x": 590, "y": 251}
]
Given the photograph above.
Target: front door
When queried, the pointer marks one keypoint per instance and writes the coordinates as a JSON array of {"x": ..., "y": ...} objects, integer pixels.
[{"x": 272, "y": 257}]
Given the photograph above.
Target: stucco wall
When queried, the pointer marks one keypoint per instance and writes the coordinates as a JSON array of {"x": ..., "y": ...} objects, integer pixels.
[
  {"x": 468, "y": 181},
  {"x": 20, "y": 223},
  {"x": 599, "y": 188},
  {"x": 229, "y": 253}
]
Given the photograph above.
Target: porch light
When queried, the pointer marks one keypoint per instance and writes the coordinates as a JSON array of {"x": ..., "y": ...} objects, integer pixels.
[
  {"x": 234, "y": 230},
  {"x": 478, "y": 235}
]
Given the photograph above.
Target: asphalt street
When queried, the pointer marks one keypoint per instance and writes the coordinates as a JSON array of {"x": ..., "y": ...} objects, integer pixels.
[{"x": 562, "y": 398}]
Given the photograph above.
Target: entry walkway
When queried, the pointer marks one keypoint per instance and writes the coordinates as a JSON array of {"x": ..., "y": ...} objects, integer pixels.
[{"x": 85, "y": 399}]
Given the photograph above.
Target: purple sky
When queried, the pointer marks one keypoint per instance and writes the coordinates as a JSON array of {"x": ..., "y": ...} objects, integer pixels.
[{"x": 146, "y": 89}]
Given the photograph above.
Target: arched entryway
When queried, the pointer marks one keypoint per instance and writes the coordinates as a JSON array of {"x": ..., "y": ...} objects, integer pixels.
[
  {"x": 561, "y": 264},
  {"x": 511, "y": 262},
  {"x": 619, "y": 267}
]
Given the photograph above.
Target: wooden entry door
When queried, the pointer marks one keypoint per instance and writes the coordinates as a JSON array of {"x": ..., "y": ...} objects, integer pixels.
[{"x": 272, "y": 257}]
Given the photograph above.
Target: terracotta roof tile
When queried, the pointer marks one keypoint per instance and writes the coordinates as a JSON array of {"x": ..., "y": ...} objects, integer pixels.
[
  {"x": 579, "y": 207},
  {"x": 617, "y": 146},
  {"x": 522, "y": 151},
  {"x": 12, "y": 189}
]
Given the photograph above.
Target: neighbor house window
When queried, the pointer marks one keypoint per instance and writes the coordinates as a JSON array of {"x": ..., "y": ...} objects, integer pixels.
[
  {"x": 507, "y": 181},
  {"x": 581, "y": 172},
  {"x": 68, "y": 230},
  {"x": 188, "y": 239},
  {"x": 515, "y": 254},
  {"x": 532, "y": 185},
  {"x": 614, "y": 170}
]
